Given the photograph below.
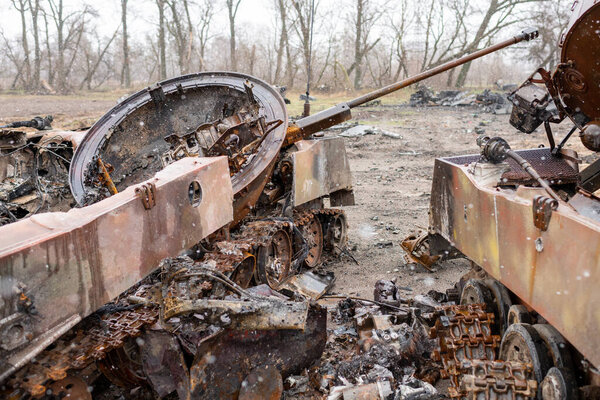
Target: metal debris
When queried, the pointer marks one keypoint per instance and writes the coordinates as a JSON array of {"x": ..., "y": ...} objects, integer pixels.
[
  {"x": 416, "y": 248},
  {"x": 489, "y": 101},
  {"x": 363, "y": 130},
  {"x": 34, "y": 170},
  {"x": 309, "y": 284},
  {"x": 38, "y": 123}
]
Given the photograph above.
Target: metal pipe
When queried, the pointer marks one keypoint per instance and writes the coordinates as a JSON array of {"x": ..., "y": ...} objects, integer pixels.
[
  {"x": 527, "y": 35},
  {"x": 523, "y": 163},
  {"x": 306, "y": 126}
]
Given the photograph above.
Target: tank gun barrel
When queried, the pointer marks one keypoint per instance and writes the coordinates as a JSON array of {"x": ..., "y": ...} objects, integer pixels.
[{"x": 341, "y": 112}]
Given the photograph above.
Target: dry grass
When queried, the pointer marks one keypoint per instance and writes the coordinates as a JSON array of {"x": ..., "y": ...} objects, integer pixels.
[
  {"x": 108, "y": 97},
  {"x": 326, "y": 100}
]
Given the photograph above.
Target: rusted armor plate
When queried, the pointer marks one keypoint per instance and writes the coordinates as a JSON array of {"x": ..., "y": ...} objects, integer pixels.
[
  {"x": 56, "y": 268},
  {"x": 554, "y": 271},
  {"x": 321, "y": 167}
]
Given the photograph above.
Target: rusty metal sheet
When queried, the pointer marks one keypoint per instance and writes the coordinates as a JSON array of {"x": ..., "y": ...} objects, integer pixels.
[
  {"x": 58, "y": 267},
  {"x": 549, "y": 167},
  {"x": 321, "y": 168},
  {"x": 223, "y": 362},
  {"x": 554, "y": 271},
  {"x": 309, "y": 284},
  {"x": 578, "y": 75}
]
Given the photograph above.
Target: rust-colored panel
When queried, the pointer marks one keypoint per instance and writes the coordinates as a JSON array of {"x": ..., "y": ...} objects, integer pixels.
[
  {"x": 579, "y": 74},
  {"x": 554, "y": 271},
  {"x": 321, "y": 167},
  {"x": 70, "y": 264}
]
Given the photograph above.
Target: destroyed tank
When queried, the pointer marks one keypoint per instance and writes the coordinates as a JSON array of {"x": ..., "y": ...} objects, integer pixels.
[
  {"x": 527, "y": 316},
  {"x": 190, "y": 194}
]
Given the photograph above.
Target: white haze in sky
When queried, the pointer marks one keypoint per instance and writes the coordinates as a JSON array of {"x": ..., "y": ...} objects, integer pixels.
[
  {"x": 142, "y": 16},
  {"x": 257, "y": 15}
]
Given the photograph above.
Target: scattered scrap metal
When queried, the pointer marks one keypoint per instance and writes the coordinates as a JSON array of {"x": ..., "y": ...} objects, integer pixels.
[
  {"x": 494, "y": 102},
  {"x": 34, "y": 171},
  {"x": 39, "y": 123}
]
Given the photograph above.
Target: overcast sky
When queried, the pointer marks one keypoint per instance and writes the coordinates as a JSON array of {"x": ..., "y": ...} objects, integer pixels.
[{"x": 142, "y": 15}]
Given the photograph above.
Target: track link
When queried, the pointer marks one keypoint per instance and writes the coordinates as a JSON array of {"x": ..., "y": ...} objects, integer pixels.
[
  {"x": 467, "y": 349},
  {"x": 102, "y": 335}
]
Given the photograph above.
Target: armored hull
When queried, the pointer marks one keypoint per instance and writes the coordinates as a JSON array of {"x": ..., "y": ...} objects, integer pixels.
[{"x": 529, "y": 222}]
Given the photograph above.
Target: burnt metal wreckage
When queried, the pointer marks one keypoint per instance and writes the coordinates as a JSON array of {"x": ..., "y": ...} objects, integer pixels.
[
  {"x": 529, "y": 222},
  {"x": 182, "y": 269}
]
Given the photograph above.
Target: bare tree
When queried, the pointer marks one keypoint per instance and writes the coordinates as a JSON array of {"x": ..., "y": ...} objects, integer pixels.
[
  {"x": 21, "y": 7},
  {"x": 12, "y": 55},
  {"x": 499, "y": 15},
  {"x": 232, "y": 9},
  {"x": 445, "y": 30},
  {"x": 366, "y": 14},
  {"x": 93, "y": 61},
  {"x": 181, "y": 30},
  {"x": 34, "y": 9},
  {"x": 400, "y": 27},
  {"x": 328, "y": 56},
  {"x": 162, "y": 43},
  {"x": 57, "y": 10},
  {"x": 552, "y": 20},
  {"x": 70, "y": 27},
  {"x": 283, "y": 48},
  {"x": 204, "y": 20},
  {"x": 304, "y": 17},
  {"x": 125, "y": 69},
  {"x": 50, "y": 70}
]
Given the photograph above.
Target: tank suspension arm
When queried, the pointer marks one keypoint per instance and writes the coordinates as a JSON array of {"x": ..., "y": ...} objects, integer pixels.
[{"x": 332, "y": 116}]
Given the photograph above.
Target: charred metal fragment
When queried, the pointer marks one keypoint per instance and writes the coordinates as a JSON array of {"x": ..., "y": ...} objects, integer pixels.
[
  {"x": 164, "y": 364},
  {"x": 214, "y": 113},
  {"x": 224, "y": 361},
  {"x": 34, "y": 172},
  {"x": 39, "y": 123}
]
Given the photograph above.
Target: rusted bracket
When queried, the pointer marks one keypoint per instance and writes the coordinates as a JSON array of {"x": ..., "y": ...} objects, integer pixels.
[
  {"x": 416, "y": 247},
  {"x": 542, "y": 211},
  {"x": 147, "y": 193},
  {"x": 105, "y": 170}
]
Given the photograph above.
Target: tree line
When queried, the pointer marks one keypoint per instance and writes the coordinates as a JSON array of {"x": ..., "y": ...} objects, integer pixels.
[{"x": 336, "y": 45}]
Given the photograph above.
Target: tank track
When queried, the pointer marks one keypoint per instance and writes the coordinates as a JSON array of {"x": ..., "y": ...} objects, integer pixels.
[
  {"x": 107, "y": 330},
  {"x": 80, "y": 347},
  {"x": 467, "y": 349}
]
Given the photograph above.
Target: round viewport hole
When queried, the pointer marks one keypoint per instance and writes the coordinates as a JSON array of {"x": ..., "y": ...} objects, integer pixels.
[{"x": 195, "y": 194}]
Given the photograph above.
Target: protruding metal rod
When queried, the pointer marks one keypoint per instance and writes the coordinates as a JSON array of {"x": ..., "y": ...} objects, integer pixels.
[
  {"x": 304, "y": 127},
  {"x": 106, "y": 177},
  {"x": 527, "y": 35}
]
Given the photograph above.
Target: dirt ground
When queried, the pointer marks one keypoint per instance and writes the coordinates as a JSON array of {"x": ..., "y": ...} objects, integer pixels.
[
  {"x": 392, "y": 178},
  {"x": 392, "y": 182}
]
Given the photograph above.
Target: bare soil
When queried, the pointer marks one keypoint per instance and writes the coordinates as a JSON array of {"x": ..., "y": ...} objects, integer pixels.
[
  {"x": 392, "y": 178},
  {"x": 392, "y": 182}
]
